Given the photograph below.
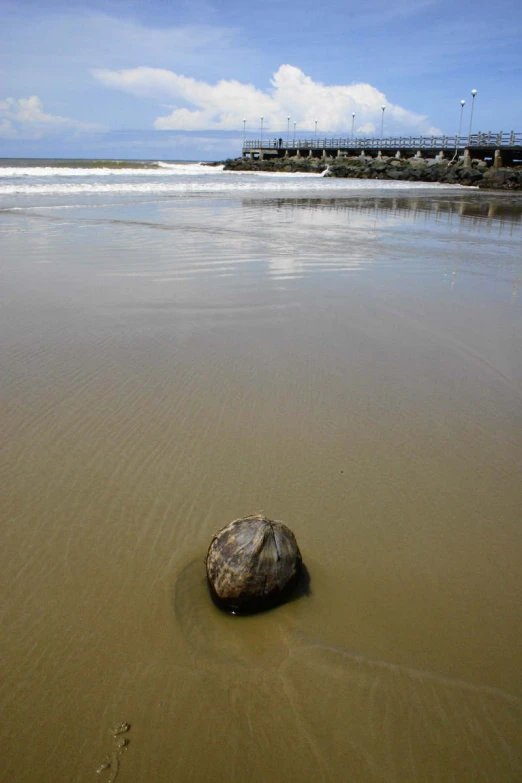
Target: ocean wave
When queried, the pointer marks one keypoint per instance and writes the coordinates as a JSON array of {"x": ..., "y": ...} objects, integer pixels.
[
  {"x": 161, "y": 170},
  {"x": 238, "y": 185}
]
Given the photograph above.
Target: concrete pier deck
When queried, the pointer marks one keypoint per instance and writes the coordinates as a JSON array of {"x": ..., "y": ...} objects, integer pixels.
[{"x": 502, "y": 148}]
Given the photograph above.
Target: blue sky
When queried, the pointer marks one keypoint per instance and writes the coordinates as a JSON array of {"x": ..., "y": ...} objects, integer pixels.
[{"x": 174, "y": 80}]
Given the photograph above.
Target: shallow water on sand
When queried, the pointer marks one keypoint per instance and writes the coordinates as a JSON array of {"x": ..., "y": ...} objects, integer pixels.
[{"x": 351, "y": 366}]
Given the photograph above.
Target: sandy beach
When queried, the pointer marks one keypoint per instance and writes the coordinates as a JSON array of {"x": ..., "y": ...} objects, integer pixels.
[{"x": 345, "y": 358}]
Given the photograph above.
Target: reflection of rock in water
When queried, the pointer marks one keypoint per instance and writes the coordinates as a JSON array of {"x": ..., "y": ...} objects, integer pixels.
[
  {"x": 349, "y": 718},
  {"x": 220, "y": 638}
]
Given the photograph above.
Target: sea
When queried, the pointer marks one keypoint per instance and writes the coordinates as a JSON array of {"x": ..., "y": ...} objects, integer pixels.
[
  {"x": 86, "y": 181},
  {"x": 181, "y": 346}
]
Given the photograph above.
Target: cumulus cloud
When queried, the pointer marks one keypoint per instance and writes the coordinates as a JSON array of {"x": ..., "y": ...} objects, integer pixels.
[
  {"x": 199, "y": 105},
  {"x": 24, "y": 118},
  {"x": 367, "y": 127}
]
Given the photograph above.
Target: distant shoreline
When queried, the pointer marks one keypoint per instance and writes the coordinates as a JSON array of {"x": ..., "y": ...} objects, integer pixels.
[{"x": 476, "y": 173}]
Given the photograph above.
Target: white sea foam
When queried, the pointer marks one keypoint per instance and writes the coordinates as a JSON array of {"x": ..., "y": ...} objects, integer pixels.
[
  {"x": 234, "y": 185},
  {"x": 163, "y": 170}
]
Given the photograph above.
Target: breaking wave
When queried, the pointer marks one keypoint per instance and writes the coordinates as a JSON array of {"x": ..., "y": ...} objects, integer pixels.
[
  {"x": 154, "y": 169},
  {"x": 237, "y": 185}
]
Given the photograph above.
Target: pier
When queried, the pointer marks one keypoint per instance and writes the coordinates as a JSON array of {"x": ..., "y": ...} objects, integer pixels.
[{"x": 503, "y": 149}]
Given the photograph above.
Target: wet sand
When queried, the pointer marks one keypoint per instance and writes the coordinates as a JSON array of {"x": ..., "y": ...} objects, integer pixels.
[{"x": 351, "y": 367}]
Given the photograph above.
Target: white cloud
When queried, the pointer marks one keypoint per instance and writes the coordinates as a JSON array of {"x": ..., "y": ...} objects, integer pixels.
[
  {"x": 367, "y": 127},
  {"x": 222, "y": 106},
  {"x": 7, "y": 129},
  {"x": 24, "y": 118}
]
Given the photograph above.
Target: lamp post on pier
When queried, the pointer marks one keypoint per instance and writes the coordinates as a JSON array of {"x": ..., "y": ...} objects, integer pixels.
[
  {"x": 262, "y": 132},
  {"x": 315, "y": 132},
  {"x": 382, "y": 120},
  {"x": 457, "y": 137},
  {"x": 294, "y": 132},
  {"x": 244, "y": 131},
  {"x": 287, "y": 130},
  {"x": 462, "y": 104},
  {"x": 473, "y": 93},
  {"x": 353, "y": 120}
]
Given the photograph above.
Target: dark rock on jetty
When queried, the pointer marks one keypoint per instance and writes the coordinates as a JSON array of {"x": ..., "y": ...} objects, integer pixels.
[
  {"x": 460, "y": 172},
  {"x": 252, "y": 564},
  {"x": 311, "y": 165}
]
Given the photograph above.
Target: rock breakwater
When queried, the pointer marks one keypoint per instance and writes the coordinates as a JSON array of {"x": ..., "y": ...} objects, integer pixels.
[{"x": 460, "y": 172}]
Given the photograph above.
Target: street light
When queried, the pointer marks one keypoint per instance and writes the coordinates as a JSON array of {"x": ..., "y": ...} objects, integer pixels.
[
  {"x": 294, "y": 132},
  {"x": 261, "y": 132},
  {"x": 382, "y": 119},
  {"x": 353, "y": 120},
  {"x": 244, "y": 130},
  {"x": 457, "y": 137},
  {"x": 315, "y": 132},
  {"x": 473, "y": 93},
  {"x": 287, "y": 130},
  {"x": 462, "y": 104}
]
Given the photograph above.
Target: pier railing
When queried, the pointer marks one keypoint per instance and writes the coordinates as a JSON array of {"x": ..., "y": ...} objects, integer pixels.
[{"x": 475, "y": 140}]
